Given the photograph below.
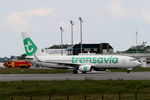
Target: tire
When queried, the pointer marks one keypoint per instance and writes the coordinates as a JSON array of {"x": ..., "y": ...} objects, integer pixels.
[
  {"x": 23, "y": 67},
  {"x": 9, "y": 67},
  {"x": 83, "y": 72},
  {"x": 128, "y": 71},
  {"x": 75, "y": 71}
]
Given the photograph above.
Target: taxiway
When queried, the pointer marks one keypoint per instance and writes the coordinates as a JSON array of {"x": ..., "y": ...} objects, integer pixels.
[{"x": 70, "y": 76}]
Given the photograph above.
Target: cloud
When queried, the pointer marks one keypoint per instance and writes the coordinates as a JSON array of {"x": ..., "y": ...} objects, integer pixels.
[
  {"x": 146, "y": 16},
  {"x": 21, "y": 20},
  {"x": 64, "y": 25},
  {"x": 116, "y": 9},
  {"x": 92, "y": 0},
  {"x": 120, "y": 9},
  {"x": 37, "y": 12}
]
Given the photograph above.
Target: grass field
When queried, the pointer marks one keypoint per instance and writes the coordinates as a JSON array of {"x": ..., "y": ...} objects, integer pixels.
[
  {"x": 32, "y": 71},
  {"x": 93, "y": 89},
  {"x": 81, "y": 97},
  {"x": 138, "y": 69},
  {"x": 51, "y": 71},
  {"x": 75, "y": 90},
  {"x": 36, "y": 88}
]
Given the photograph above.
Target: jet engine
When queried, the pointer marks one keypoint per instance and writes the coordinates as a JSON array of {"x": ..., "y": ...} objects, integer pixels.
[{"x": 85, "y": 68}]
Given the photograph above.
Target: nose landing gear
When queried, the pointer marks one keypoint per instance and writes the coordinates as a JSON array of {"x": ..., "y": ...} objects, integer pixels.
[{"x": 129, "y": 69}]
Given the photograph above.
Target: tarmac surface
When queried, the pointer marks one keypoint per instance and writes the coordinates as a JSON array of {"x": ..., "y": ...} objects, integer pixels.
[{"x": 70, "y": 76}]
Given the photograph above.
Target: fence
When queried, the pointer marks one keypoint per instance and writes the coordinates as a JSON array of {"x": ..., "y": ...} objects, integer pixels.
[{"x": 134, "y": 96}]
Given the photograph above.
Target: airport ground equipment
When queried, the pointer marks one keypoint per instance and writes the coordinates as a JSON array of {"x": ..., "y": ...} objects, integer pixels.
[{"x": 18, "y": 64}]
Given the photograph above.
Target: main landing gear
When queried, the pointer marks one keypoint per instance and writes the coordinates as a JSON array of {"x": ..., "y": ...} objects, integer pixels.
[
  {"x": 83, "y": 72},
  {"x": 129, "y": 69},
  {"x": 75, "y": 71}
]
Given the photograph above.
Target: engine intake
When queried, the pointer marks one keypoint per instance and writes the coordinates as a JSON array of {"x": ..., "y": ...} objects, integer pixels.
[{"x": 85, "y": 68}]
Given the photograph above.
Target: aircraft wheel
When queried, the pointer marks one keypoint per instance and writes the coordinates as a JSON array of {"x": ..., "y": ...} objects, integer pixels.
[
  {"x": 128, "y": 71},
  {"x": 9, "y": 66},
  {"x": 84, "y": 72},
  {"x": 75, "y": 71},
  {"x": 23, "y": 67}
]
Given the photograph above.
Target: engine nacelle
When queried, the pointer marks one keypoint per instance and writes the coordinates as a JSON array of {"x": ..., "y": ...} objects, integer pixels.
[
  {"x": 85, "y": 68},
  {"x": 99, "y": 69}
]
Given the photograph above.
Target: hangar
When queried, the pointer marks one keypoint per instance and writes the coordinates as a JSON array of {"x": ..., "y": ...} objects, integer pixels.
[{"x": 101, "y": 48}]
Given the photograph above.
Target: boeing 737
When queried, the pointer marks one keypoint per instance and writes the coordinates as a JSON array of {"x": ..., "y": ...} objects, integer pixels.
[{"x": 82, "y": 63}]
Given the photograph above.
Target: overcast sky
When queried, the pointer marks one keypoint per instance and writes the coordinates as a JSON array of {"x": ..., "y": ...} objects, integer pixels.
[{"x": 112, "y": 21}]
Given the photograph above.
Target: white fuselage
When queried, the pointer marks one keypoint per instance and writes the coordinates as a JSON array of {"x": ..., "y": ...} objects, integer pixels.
[{"x": 97, "y": 61}]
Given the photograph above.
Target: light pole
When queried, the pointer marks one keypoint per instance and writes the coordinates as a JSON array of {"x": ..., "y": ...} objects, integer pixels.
[
  {"x": 136, "y": 38},
  {"x": 81, "y": 21},
  {"x": 61, "y": 29},
  {"x": 137, "y": 41},
  {"x": 71, "y": 22}
]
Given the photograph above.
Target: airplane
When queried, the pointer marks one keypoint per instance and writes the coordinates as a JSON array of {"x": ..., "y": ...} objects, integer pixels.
[{"x": 79, "y": 63}]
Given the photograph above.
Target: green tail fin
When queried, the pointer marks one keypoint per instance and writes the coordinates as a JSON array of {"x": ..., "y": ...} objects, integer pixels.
[{"x": 29, "y": 45}]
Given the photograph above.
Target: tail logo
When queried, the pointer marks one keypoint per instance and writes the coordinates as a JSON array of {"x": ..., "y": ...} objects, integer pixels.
[{"x": 30, "y": 47}]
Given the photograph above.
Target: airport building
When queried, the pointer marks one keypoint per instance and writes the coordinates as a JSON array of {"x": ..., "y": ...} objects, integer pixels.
[
  {"x": 55, "y": 51},
  {"x": 101, "y": 48}
]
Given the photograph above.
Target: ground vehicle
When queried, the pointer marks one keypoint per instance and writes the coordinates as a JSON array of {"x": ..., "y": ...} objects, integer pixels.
[{"x": 18, "y": 64}]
